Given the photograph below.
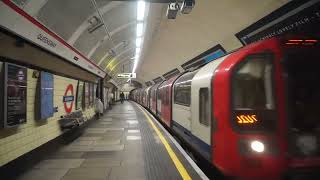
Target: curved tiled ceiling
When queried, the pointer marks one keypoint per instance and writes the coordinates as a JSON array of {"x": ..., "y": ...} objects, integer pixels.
[
  {"x": 167, "y": 43},
  {"x": 79, "y": 24}
]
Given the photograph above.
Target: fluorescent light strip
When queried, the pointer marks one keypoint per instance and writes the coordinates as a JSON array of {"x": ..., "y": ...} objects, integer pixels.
[
  {"x": 138, "y": 42},
  {"x": 140, "y": 10},
  {"x": 141, "y": 7},
  {"x": 138, "y": 50},
  {"x": 139, "y": 29}
]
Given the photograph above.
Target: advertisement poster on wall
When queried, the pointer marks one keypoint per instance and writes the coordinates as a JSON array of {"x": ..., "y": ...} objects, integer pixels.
[
  {"x": 86, "y": 95},
  {"x": 79, "y": 95},
  {"x": 46, "y": 95},
  {"x": 295, "y": 17},
  {"x": 15, "y": 95}
]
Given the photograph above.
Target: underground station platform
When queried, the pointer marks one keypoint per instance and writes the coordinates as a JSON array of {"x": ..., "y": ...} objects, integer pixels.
[{"x": 125, "y": 143}]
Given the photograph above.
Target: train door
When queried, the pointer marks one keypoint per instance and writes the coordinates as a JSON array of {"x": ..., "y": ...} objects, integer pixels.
[
  {"x": 201, "y": 108},
  {"x": 181, "y": 106},
  {"x": 158, "y": 100},
  {"x": 151, "y": 96}
]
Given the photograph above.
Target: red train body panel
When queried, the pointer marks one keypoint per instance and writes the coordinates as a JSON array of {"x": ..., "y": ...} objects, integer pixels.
[{"x": 165, "y": 90}]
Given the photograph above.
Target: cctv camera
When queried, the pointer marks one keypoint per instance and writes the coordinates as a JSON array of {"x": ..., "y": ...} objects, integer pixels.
[{"x": 187, "y": 6}]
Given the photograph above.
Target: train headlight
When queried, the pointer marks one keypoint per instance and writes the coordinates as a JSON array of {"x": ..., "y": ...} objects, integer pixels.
[{"x": 257, "y": 146}]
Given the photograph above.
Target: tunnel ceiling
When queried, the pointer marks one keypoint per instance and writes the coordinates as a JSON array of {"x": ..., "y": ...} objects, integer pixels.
[{"x": 167, "y": 43}]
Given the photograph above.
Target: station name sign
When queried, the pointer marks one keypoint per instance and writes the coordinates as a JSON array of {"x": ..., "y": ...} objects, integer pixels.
[{"x": 127, "y": 75}]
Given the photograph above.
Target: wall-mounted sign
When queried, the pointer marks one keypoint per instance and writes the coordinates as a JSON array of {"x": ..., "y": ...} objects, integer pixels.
[
  {"x": 46, "y": 95},
  {"x": 299, "y": 17},
  {"x": 204, "y": 58},
  {"x": 214, "y": 55},
  {"x": 127, "y": 75},
  {"x": 15, "y": 95},
  {"x": 68, "y": 99}
]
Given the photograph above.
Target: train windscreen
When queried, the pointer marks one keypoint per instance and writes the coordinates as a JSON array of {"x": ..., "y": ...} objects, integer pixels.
[{"x": 253, "y": 94}]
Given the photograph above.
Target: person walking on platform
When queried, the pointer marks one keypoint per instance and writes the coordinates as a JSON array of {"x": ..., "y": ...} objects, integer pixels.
[
  {"x": 121, "y": 97},
  {"x": 98, "y": 106}
]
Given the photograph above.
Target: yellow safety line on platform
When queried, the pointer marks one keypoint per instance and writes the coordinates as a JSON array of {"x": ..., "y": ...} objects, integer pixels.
[{"x": 182, "y": 170}]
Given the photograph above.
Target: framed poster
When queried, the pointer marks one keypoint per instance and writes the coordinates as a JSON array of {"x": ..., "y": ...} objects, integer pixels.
[
  {"x": 46, "y": 95},
  {"x": 15, "y": 95},
  {"x": 79, "y": 95}
]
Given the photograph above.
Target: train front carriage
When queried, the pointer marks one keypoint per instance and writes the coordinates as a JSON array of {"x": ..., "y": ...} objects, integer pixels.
[{"x": 264, "y": 105}]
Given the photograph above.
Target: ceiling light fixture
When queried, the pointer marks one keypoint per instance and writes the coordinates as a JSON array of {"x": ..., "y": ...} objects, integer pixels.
[{"x": 141, "y": 10}]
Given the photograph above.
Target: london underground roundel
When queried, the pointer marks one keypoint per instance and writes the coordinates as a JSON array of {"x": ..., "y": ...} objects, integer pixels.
[{"x": 68, "y": 98}]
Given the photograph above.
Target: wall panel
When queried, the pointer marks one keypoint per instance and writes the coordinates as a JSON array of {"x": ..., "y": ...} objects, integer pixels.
[{"x": 17, "y": 141}]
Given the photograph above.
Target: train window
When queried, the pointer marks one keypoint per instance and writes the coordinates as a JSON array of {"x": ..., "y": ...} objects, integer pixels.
[
  {"x": 204, "y": 107},
  {"x": 182, "y": 89},
  {"x": 252, "y": 85}
]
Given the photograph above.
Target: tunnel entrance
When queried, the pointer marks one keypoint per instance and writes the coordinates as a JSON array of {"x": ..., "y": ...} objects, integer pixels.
[{"x": 303, "y": 90}]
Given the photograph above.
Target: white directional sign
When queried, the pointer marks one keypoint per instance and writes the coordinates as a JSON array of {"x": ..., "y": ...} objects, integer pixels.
[{"x": 126, "y": 75}]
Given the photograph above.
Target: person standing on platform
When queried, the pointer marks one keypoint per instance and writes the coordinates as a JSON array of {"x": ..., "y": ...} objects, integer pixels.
[{"x": 121, "y": 97}]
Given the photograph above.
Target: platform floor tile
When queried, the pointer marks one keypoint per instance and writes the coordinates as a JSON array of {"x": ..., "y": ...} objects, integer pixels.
[
  {"x": 86, "y": 173},
  {"x": 59, "y": 163},
  {"x": 100, "y": 162},
  {"x": 121, "y": 145},
  {"x": 44, "y": 174}
]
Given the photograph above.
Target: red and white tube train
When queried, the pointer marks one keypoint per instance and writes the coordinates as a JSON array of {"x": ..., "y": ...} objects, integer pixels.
[{"x": 253, "y": 113}]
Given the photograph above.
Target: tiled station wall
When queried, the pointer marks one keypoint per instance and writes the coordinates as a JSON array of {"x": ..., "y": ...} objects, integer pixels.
[{"x": 15, "y": 142}]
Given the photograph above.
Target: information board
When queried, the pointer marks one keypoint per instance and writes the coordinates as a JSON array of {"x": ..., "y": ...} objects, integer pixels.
[
  {"x": 127, "y": 75},
  {"x": 15, "y": 95},
  {"x": 46, "y": 95}
]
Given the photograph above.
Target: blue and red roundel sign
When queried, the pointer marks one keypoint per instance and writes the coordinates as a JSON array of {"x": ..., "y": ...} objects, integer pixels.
[{"x": 68, "y": 99}]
